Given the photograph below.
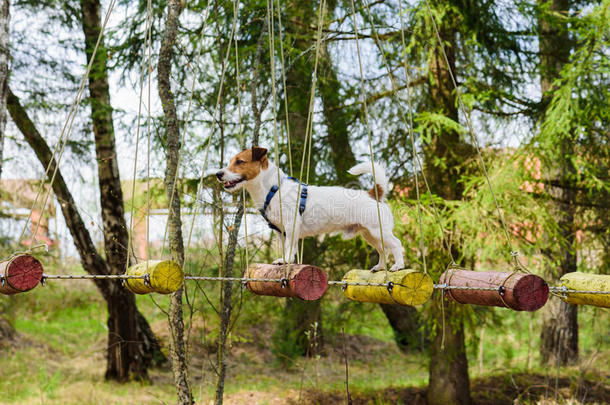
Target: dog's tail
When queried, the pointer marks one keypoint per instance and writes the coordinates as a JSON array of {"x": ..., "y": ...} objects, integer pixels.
[{"x": 381, "y": 185}]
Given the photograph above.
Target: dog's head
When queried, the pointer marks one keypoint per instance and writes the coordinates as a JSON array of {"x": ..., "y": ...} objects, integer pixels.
[{"x": 243, "y": 167}]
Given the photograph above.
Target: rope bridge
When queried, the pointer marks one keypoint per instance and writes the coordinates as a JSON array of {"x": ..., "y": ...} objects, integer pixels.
[{"x": 514, "y": 290}]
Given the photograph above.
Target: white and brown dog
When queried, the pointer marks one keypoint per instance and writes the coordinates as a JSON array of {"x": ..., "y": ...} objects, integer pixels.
[{"x": 321, "y": 210}]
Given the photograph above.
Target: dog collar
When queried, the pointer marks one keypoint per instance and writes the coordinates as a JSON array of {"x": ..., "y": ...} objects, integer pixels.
[{"x": 271, "y": 194}]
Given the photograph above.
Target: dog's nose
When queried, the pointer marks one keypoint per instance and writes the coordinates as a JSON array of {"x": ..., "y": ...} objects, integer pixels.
[{"x": 219, "y": 174}]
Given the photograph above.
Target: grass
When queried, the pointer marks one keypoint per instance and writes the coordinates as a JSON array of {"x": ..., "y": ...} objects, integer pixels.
[{"x": 59, "y": 356}]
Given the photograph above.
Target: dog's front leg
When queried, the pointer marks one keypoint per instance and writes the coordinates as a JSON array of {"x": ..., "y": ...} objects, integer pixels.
[{"x": 291, "y": 244}]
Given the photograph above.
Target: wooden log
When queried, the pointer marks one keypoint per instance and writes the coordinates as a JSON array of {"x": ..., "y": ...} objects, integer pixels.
[
  {"x": 409, "y": 287},
  {"x": 164, "y": 277},
  {"x": 20, "y": 273},
  {"x": 586, "y": 282},
  {"x": 518, "y": 291},
  {"x": 301, "y": 281}
]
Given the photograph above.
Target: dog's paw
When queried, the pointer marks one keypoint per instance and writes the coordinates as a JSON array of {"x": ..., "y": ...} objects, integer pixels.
[
  {"x": 279, "y": 261},
  {"x": 397, "y": 266},
  {"x": 376, "y": 268}
]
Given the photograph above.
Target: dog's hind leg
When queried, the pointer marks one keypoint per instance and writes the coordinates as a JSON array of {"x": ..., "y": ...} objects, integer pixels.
[{"x": 376, "y": 243}]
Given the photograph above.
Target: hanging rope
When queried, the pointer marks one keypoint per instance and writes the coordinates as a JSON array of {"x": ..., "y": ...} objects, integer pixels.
[
  {"x": 271, "y": 39},
  {"x": 65, "y": 133},
  {"x": 187, "y": 118},
  {"x": 283, "y": 65},
  {"x": 310, "y": 117},
  {"x": 194, "y": 209},
  {"x": 368, "y": 130},
  {"x": 145, "y": 67},
  {"x": 473, "y": 137},
  {"x": 408, "y": 124}
]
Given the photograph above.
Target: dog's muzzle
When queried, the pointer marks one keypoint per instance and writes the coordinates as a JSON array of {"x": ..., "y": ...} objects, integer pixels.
[{"x": 228, "y": 184}]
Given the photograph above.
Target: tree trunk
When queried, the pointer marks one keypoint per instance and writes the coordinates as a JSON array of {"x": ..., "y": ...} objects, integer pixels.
[
  {"x": 226, "y": 307},
  {"x": 445, "y": 158},
  {"x": 449, "y": 383},
  {"x": 176, "y": 243},
  {"x": 124, "y": 363},
  {"x": 559, "y": 336},
  {"x": 129, "y": 356},
  {"x": 7, "y": 332},
  {"x": 4, "y": 62},
  {"x": 405, "y": 322}
]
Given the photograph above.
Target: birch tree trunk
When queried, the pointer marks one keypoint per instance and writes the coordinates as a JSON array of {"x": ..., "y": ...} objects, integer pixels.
[
  {"x": 124, "y": 362},
  {"x": 6, "y": 328},
  {"x": 4, "y": 62},
  {"x": 142, "y": 352},
  {"x": 176, "y": 242}
]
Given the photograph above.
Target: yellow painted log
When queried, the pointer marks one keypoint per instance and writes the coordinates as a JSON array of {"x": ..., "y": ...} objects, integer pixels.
[
  {"x": 164, "y": 277},
  {"x": 410, "y": 287},
  {"x": 586, "y": 282}
]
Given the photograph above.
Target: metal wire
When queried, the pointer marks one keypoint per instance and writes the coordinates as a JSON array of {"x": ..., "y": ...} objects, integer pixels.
[
  {"x": 564, "y": 290},
  {"x": 90, "y": 276},
  {"x": 561, "y": 290}
]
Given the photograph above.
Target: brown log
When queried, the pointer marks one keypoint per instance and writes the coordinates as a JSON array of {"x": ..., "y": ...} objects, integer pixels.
[
  {"x": 19, "y": 274},
  {"x": 302, "y": 281},
  {"x": 518, "y": 291}
]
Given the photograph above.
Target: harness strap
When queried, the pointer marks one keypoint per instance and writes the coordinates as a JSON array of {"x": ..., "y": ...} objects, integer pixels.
[{"x": 271, "y": 194}]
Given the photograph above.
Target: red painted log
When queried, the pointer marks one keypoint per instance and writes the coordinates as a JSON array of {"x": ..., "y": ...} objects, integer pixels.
[
  {"x": 19, "y": 274},
  {"x": 518, "y": 291},
  {"x": 301, "y": 280}
]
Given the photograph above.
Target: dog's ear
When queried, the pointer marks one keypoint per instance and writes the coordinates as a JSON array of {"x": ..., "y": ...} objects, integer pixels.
[{"x": 258, "y": 153}]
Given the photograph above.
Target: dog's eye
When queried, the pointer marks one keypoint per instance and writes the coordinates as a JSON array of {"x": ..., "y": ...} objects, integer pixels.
[{"x": 239, "y": 162}]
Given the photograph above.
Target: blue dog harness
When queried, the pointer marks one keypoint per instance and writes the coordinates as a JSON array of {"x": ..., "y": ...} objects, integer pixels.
[{"x": 271, "y": 194}]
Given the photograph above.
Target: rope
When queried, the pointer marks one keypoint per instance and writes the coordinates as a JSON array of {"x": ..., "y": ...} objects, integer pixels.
[
  {"x": 472, "y": 135},
  {"x": 242, "y": 139},
  {"x": 409, "y": 125},
  {"x": 411, "y": 134},
  {"x": 65, "y": 132},
  {"x": 368, "y": 129},
  {"x": 283, "y": 65},
  {"x": 207, "y": 149},
  {"x": 309, "y": 126},
  {"x": 135, "y": 160},
  {"x": 271, "y": 39},
  {"x": 310, "y": 112},
  {"x": 186, "y": 121}
]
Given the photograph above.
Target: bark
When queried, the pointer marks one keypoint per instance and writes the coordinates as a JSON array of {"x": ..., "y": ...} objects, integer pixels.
[
  {"x": 124, "y": 362},
  {"x": 7, "y": 332},
  {"x": 4, "y": 70},
  {"x": 130, "y": 352},
  {"x": 176, "y": 241},
  {"x": 559, "y": 336},
  {"x": 226, "y": 305},
  {"x": 405, "y": 322},
  {"x": 449, "y": 381}
]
